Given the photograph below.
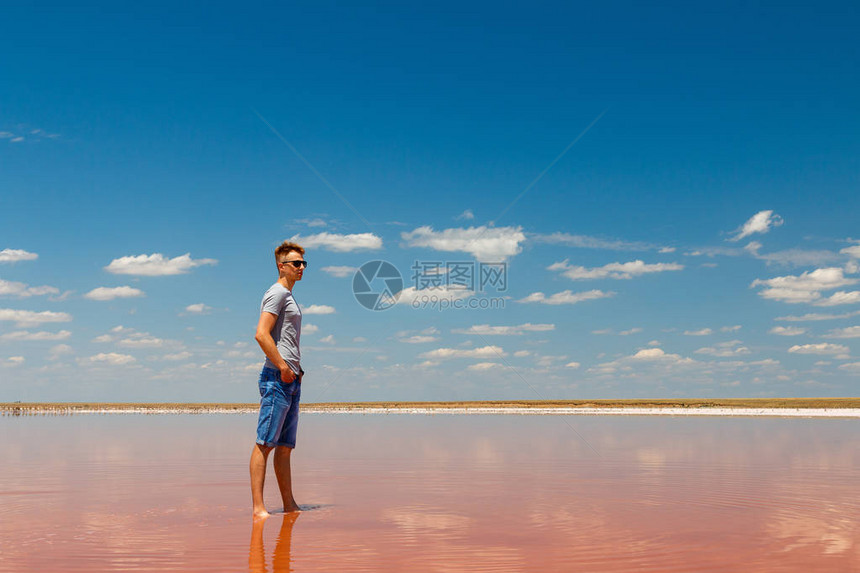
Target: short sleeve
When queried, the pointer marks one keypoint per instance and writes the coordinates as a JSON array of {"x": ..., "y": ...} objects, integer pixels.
[{"x": 274, "y": 301}]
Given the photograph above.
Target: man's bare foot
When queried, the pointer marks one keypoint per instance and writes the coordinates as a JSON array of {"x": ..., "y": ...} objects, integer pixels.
[
  {"x": 292, "y": 508},
  {"x": 260, "y": 514}
]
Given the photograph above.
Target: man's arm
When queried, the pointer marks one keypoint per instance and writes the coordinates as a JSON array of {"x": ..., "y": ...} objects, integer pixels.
[{"x": 267, "y": 344}]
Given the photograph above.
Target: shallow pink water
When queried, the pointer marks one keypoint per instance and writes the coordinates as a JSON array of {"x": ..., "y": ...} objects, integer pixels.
[{"x": 433, "y": 493}]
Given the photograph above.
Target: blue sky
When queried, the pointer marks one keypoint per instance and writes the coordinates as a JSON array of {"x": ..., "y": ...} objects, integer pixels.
[{"x": 673, "y": 191}]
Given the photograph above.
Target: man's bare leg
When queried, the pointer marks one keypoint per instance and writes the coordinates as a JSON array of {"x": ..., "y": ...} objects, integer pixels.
[
  {"x": 259, "y": 456},
  {"x": 285, "y": 480}
]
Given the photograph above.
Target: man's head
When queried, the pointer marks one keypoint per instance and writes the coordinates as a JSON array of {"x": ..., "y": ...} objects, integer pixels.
[{"x": 290, "y": 260}]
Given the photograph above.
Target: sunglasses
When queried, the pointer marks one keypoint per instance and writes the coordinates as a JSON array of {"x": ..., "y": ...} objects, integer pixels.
[{"x": 297, "y": 264}]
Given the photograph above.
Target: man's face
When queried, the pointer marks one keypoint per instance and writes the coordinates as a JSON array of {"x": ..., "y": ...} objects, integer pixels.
[{"x": 290, "y": 271}]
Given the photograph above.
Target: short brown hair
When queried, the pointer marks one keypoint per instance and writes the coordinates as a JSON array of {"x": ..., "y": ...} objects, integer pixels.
[{"x": 285, "y": 248}]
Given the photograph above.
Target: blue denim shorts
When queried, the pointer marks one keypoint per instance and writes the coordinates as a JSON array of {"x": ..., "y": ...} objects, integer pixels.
[{"x": 279, "y": 410}]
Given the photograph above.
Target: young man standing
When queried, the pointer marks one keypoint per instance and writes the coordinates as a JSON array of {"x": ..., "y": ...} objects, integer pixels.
[{"x": 278, "y": 333}]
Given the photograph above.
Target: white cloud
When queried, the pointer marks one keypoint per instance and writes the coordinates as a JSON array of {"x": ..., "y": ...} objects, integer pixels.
[
  {"x": 487, "y": 330},
  {"x": 419, "y": 339},
  {"x": 328, "y": 339},
  {"x": 807, "y": 287},
  {"x": 853, "y": 251},
  {"x": 819, "y": 279},
  {"x": 753, "y": 247},
  {"x": 131, "y": 338},
  {"x": 141, "y": 340},
  {"x": 549, "y": 360},
  {"x": 847, "y": 332},
  {"x": 572, "y": 365},
  {"x": 340, "y": 271},
  {"x": 13, "y": 361},
  {"x": 62, "y": 297},
  {"x": 15, "y": 255},
  {"x": 318, "y": 309},
  {"x": 466, "y": 215},
  {"x": 493, "y": 244},
  {"x": 445, "y": 292},
  {"x": 42, "y": 335},
  {"x": 719, "y": 251},
  {"x": 628, "y": 332},
  {"x": 761, "y": 222},
  {"x": 309, "y": 328},
  {"x": 649, "y": 354},
  {"x": 21, "y": 290},
  {"x": 612, "y": 270},
  {"x": 435, "y": 269},
  {"x": 177, "y": 357},
  {"x": 853, "y": 367},
  {"x": 155, "y": 265},
  {"x": 35, "y": 135},
  {"x": 840, "y": 297},
  {"x": 734, "y": 328},
  {"x": 28, "y": 318},
  {"x": 566, "y": 297},
  {"x": 198, "y": 308},
  {"x": 701, "y": 332},
  {"x": 795, "y": 257},
  {"x": 483, "y": 352},
  {"x": 821, "y": 348},
  {"x": 59, "y": 350},
  {"x": 586, "y": 242},
  {"x": 654, "y": 359},
  {"x": 522, "y": 353},
  {"x": 239, "y": 353},
  {"x": 725, "y": 349},
  {"x": 787, "y": 330},
  {"x": 817, "y": 316},
  {"x": 317, "y": 222},
  {"x": 340, "y": 243},
  {"x": 483, "y": 366},
  {"x": 111, "y": 293},
  {"x": 658, "y": 355},
  {"x": 111, "y": 358},
  {"x": 788, "y": 257}
]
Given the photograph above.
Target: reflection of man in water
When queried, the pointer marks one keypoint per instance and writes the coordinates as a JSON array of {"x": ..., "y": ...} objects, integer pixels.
[
  {"x": 278, "y": 333},
  {"x": 281, "y": 556}
]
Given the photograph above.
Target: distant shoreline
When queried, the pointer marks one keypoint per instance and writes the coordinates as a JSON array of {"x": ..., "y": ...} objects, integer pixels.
[{"x": 793, "y": 407}]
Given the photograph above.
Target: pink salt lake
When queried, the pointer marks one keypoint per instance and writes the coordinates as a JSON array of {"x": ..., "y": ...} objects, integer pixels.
[{"x": 433, "y": 493}]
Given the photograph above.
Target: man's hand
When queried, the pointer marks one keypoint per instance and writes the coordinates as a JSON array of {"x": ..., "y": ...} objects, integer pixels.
[{"x": 287, "y": 375}]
